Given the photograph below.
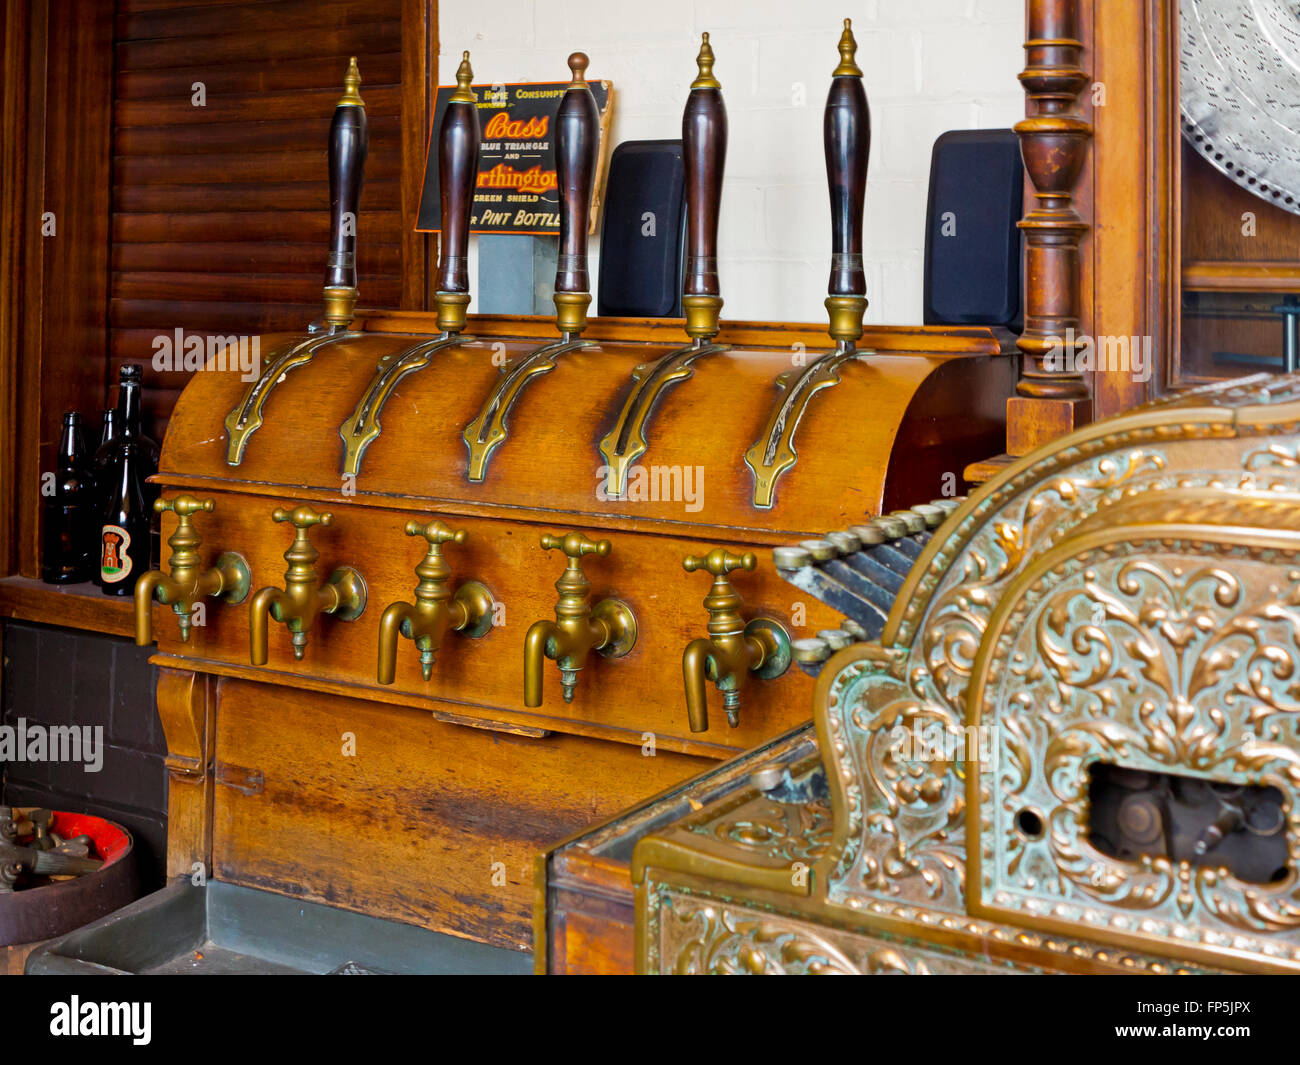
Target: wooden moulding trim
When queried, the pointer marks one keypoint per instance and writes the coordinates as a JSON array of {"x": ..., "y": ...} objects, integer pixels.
[
  {"x": 731, "y": 534},
  {"x": 1241, "y": 277},
  {"x": 77, "y": 606},
  {"x": 493, "y": 719},
  {"x": 892, "y": 339},
  {"x": 606, "y": 876}
]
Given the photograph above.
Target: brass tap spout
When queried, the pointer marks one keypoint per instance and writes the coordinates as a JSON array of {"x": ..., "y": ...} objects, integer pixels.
[
  {"x": 536, "y": 642},
  {"x": 188, "y": 583},
  {"x": 145, "y": 590},
  {"x": 436, "y": 610},
  {"x": 734, "y": 650},
  {"x": 304, "y": 598},
  {"x": 697, "y": 664},
  {"x": 608, "y": 628}
]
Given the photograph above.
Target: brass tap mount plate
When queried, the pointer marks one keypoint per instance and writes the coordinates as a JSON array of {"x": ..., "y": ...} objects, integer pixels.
[
  {"x": 626, "y": 441},
  {"x": 352, "y": 593},
  {"x": 363, "y": 428},
  {"x": 621, "y": 622},
  {"x": 774, "y": 453},
  {"x": 478, "y": 604},
  {"x": 246, "y": 418},
  {"x": 775, "y": 664},
  {"x": 487, "y": 431},
  {"x": 232, "y": 562}
]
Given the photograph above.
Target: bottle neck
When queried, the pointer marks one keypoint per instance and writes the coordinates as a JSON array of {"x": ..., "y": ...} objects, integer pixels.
[
  {"x": 128, "y": 408},
  {"x": 70, "y": 443},
  {"x": 110, "y": 426}
]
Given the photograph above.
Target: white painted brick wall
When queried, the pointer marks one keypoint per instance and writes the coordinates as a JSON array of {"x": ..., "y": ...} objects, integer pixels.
[{"x": 929, "y": 65}]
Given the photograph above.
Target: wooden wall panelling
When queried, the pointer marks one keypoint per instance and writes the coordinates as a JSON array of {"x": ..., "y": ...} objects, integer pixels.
[
  {"x": 14, "y": 84},
  {"x": 419, "y": 86},
  {"x": 63, "y": 273},
  {"x": 220, "y": 212},
  {"x": 1212, "y": 220},
  {"x": 1132, "y": 244}
]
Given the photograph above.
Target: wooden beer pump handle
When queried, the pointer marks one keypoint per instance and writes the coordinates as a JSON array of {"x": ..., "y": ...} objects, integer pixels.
[
  {"x": 847, "y": 134},
  {"x": 577, "y": 139},
  {"x": 347, "y": 160},
  {"x": 459, "y": 138},
  {"x": 704, "y": 145}
]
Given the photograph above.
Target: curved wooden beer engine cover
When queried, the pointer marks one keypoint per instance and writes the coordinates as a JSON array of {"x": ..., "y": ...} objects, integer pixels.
[{"x": 886, "y": 436}]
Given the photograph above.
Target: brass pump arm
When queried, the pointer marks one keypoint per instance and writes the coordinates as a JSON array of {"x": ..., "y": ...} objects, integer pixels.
[
  {"x": 349, "y": 139},
  {"x": 704, "y": 148},
  {"x": 458, "y": 141},
  {"x": 362, "y": 427},
  {"x": 577, "y": 143},
  {"x": 188, "y": 582}
]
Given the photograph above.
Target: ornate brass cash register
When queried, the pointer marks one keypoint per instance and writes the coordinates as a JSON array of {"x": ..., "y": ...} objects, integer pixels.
[
  {"x": 432, "y": 597},
  {"x": 1073, "y": 748}
]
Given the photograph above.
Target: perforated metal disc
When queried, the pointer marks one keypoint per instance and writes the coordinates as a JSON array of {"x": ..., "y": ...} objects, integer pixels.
[{"x": 1241, "y": 92}]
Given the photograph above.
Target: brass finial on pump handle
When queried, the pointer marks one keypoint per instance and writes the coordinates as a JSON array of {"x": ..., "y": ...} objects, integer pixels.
[
  {"x": 351, "y": 86},
  {"x": 464, "y": 93},
  {"x": 704, "y": 78},
  {"x": 848, "y": 54}
]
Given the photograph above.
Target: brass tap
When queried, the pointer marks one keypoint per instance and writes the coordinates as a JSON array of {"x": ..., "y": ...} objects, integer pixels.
[
  {"x": 303, "y": 597},
  {"x": 579, "y": 628},
  {"x": 188, "y": 583},
  {"x": 435, "y": 609},
  {"x": 734, "y": 650}
]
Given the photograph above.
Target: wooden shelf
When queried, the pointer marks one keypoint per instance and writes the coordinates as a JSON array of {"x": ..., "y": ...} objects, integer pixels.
[
  {"x": 1241, "y": 277},
  {"x": 70, "y": 606},
  {"x": 987, "y": 469}
]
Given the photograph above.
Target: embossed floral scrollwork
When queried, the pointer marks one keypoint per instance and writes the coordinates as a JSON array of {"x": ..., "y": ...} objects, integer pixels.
[
  {"x": 912, "y": 805},
  {"x": 1153, "y": 661},
  {"x": 713, "y": 939}
]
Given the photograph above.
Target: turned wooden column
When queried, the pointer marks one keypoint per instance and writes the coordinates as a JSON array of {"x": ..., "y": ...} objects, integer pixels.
[{"x": 1052, "y": 397}]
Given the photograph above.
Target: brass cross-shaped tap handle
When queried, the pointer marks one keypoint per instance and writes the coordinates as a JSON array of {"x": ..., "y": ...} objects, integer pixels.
[
  {"x": 436, "y": 609},
  {"x": 579, "y": 628},
  {"x": 188, "y": 582},
  {"x": 734, "y": 649},
  {"x": 720, "y": 562},
  {"x": 303, "y": 598},
  {"x": 575, "y": 545},
  {"x": 303, "y": 517},
  {"x": 437, "y": 533}
]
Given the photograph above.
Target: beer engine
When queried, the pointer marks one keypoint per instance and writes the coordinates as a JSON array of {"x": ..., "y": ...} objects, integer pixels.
[
  {"x": 847, "y": 138},
  {"x": 577, "y": 142},
  {"x": 349, "y": 140},
  {"x": 459, "y": 137},
  {"x": 704, "y": 145}
]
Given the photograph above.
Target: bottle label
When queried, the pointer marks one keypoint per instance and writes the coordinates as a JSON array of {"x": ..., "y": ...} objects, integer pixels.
[{"x": 114, "y": 562}]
